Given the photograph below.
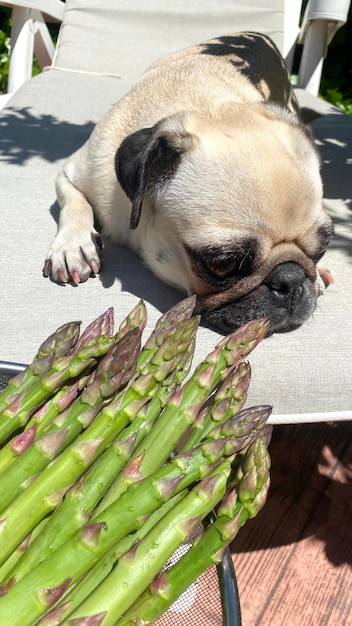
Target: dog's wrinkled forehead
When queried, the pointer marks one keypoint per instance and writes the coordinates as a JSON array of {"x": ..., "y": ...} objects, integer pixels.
[
  {"x": 245, "y": 176},
  {"x": 243, "y": 167}
]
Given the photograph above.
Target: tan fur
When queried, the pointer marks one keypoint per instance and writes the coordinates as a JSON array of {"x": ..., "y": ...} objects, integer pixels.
[{"x": 246, "y": 170}]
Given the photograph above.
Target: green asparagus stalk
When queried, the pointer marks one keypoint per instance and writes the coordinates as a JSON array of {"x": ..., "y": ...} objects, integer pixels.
[
  {"x": 227, "y": 402},
  {"x": 122, "y": 427},
  {"x": 86, "y": 585},
  {"x": 90, "y": 347},
  {"x": 113, "y": 372},
  {"x": 57, "y": 404},
  {"x": 244, "y": 500},
  {"x": 54, "y": 347},
  {"x": 136, "y": 318},
  {"x": 40, "y": 421},
  {"x": 136, "y": 569},
  {"x": 181, "y": 311},
  {"x": 78, "y": 504},
  {"x": 49, "y": 487},
  {"x": 132, "y": 436},
  {"x": 243, "y": 429},
  {"x": 65, "y": 396},
  {"x": 30, "y": 597},
  {"x": 184, "y": 406},
  {"x": 65, "y": 340},
  {"x": 101, "y": 325},
  {"x": 10, "y": 563}
]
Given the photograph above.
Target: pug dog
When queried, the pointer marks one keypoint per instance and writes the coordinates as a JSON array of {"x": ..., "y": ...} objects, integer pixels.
[{"x": 206, "y": 170}]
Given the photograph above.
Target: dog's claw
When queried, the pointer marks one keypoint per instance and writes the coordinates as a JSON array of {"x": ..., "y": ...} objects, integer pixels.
[{"x": 47, "y": 267}]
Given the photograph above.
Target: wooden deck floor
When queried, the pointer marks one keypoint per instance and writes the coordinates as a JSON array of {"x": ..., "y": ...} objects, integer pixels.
[{"x": 294, "y": 561}]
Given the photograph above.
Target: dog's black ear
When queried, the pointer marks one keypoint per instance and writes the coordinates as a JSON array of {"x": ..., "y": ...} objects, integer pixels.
[{"x": 148, "y": 158}]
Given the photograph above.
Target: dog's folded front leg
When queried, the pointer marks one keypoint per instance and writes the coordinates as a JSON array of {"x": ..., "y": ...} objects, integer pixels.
[{"x": 74, "y": 253}]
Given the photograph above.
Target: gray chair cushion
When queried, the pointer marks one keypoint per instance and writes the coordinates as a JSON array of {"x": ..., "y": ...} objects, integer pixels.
[{"x": 122, "y": 38}]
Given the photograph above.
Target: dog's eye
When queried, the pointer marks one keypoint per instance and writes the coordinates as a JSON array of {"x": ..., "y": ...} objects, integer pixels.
[{"x": 222, "y": 266}]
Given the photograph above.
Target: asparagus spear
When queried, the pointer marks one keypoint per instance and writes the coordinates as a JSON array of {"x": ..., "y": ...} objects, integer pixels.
[
  {"x": 49, "y": 487},
  {"x": 181, "y": 311},
  {"x": 137, "y": 568},
  {"x": 57, "y": 404},
  {"x": 34, "y": 594},
  {"x": 39, "y": 421},
  {"x": 132, "y": 436},
  {"x": 55, "y": 346},
  {"x": 136, "y": 318},
  {"x": 10, "y": 563},
  {"x": 80, "y": 501},
  {"x": 103, "y": 567},
  {"x": 184, "y": 406},
  {"x": 242, "y": 428},
  {"x": 227, "y": 402},
  {"x": 243, "y": 501},
  {"x": 88, "y": 349},
  {"x": 152, "y": 369},
  {"x": 113, "y": 372},
  {"x": 66, "y": 395},
  {"x": 229, "y": 445}
]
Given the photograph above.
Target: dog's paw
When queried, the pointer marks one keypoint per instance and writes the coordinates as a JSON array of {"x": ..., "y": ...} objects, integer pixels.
[{"x": 73, "y": 256}]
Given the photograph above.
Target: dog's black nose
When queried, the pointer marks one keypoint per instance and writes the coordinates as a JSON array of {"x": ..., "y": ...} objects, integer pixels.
[{"x": 286, "y": 282}]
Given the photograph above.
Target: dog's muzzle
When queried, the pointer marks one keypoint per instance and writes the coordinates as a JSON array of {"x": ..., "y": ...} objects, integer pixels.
[{"x": 287, "y": 297}]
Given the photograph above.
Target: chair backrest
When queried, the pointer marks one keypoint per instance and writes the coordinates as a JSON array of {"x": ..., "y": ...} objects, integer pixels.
[{"x": 122, "y": 37}]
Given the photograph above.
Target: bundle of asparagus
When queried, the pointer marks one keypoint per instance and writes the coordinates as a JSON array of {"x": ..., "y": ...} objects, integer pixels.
[{"x": 111, "y": 454}]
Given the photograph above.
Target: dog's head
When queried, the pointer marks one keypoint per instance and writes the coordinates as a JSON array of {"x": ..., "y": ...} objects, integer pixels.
[{"x": 229, "y": 206}]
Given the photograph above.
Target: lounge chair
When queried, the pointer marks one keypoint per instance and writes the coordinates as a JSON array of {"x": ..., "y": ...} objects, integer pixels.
[{"x": 103, "y": 46}]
